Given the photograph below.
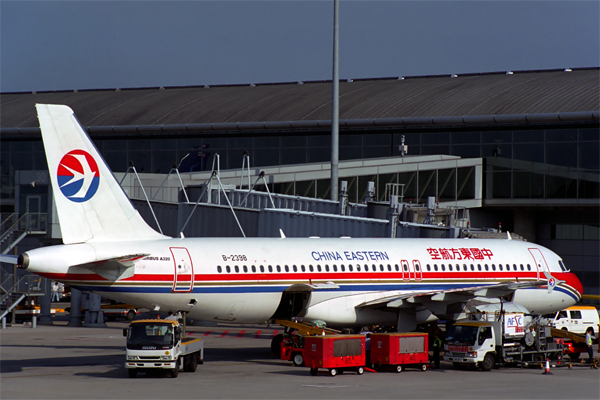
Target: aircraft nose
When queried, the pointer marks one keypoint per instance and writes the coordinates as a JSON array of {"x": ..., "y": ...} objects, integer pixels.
[{"x": 573, "y": 281}]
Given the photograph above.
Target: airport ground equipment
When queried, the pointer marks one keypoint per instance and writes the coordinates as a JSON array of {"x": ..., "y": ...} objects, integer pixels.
[
  {"x": 399, "y": 350},
  {"x": 507, "y": 339},
  {"x": 337, "y": 353},
  {"x": 576, "y": 319},
  {"x": 290, "y": 344},
  {"x": 160, "y": 344}
]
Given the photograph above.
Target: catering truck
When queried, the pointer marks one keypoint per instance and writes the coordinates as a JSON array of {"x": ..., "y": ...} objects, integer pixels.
[
  {"x": 487, "y": 339},
  {"x": 160, "y": 344}
]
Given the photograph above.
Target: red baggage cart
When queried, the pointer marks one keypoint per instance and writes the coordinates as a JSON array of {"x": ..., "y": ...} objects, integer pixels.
[
  {"x": 337, "y": 353},
  {"x": 399, "y": 350}
]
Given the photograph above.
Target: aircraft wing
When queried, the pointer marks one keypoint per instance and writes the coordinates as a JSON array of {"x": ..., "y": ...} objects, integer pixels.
[
  {"x": 434, "y": 299},
  {"x": 114, "y": 268},
  {"x": 8, "y": 258}
]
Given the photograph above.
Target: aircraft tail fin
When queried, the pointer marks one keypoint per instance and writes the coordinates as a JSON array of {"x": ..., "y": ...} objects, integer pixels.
[{"x": 90, "y": 203}]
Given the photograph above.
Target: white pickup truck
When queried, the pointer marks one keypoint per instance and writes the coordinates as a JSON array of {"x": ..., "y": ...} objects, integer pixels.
[{"x": 160, "y": 344}]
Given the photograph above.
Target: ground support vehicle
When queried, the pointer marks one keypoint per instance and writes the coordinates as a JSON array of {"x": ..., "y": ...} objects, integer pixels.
[
  {"x": 290, "y": 344},
  {"x": 337, "y": 353},
  {"x": 505, "y": 341},
  {"x": 576, "y": 319},
  {"x": 399, "y": 350},
  {"x": 160, "y": 344}
]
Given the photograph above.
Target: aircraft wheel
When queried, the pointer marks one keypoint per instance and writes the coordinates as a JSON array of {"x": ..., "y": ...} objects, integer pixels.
[
  {"x": 333, "y": 372},
  {"x": 130, "y": 315}
]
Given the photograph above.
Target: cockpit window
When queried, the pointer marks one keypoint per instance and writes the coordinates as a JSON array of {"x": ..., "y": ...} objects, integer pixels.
[{"x": 562, "y": 266}]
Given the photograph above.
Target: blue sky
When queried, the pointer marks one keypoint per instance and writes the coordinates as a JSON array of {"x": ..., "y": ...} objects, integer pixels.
[{"x": 49, "y": 45}]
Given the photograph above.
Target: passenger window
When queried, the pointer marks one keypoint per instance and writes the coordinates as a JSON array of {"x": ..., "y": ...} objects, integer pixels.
[
  {"x": 576, "y": 314},
  {"x": 219, "y": 269},
  {"x": 327, "y": 268},
  {"x": 449, "y": 267},
  {"x": 343, "y": 268},
  {"x": 270, "y": 268},
  {"x": 310, "y": 267},
  {"x": 493, "y": 267},
  {"x": 389, "y": 267},
  {"x": 374, "y": 267},
  {"x": 227, "y": 269},
  {"x": 358, "y": 268},
  {"x": 435, "y": 267},
  {"x": 350, "y": 267},
  {"x": 405, "y": 267},
  {"x": 237, "y": 269},
  {"x": 478, "y": 267},
  {"x": 443, "y": 267},
  {"x": 303, "y": 268},
  {"x": 472, "y": 267},
  {"x": 500, "y": 267},
  {"x": 319, "y": 268},
  {"x": 487, "y": 268},
  {"x": 279, "y": 268},
  {"x": 562, "y": 314},
  {"x": 522, "y": 267},
  {"x": 254, "y": 268},
  {"x": 381, "y": 268},
  {"x": 262, "y": 268},
  {"x": 397, "y": 267},
  {"x": 529, "y": 267},
  {"x": 334, "y": 268},
  {"x": 287, "y": 268},
  {"x": 295, "y": 268},
  {"x": 245, "y": 268},
  {"x": 464, "y": 267},
  {"x": 418, "y": 267},
  {"x": 428, "y": 267}
]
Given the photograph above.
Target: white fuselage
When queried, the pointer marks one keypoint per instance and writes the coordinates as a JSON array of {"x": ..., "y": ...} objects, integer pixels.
[{"x": 242, "y": 280}]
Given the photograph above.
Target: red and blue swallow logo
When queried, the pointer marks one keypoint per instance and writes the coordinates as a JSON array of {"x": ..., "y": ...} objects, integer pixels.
[{"x": 78, "y": 176}]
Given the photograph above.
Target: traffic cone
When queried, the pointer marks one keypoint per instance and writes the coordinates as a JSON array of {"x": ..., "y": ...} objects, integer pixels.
[{"x": 547, "y": 371}]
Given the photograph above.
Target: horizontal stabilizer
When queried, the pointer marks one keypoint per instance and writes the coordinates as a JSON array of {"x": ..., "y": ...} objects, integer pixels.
[{"x": 113, "y": 269}]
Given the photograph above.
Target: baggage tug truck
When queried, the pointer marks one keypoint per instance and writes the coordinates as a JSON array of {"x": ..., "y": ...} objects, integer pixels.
[
  {"x": 155, "y": 344},
  {"x": 506, "y": 339}
]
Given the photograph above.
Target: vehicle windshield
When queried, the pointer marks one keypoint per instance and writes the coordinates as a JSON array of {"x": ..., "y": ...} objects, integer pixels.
[
  {"x": 462, "y": 334},
  {"x": 150, "y": 336}
]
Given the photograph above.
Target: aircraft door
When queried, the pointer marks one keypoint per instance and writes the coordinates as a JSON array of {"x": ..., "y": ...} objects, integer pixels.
[
  {"x": 405, "y": 270},
  {"x": 417, "y": 268},
  {"x": 183, "y": 280},
  {"x": 540, "y": 261}
]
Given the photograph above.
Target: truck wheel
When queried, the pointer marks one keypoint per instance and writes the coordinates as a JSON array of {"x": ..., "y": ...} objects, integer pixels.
[
  {"x": 130, "y": 315},
  {"x": 132, "y": 373},
  {"x": 175, "y": 371},
  {"x": 298, "y": 359},
  {"x": 276, "y": 344},
  {"x": 488, "y": 363},
  {"x": 333, "y": 372},
  {"x": 423, "y": 367},
  {"x": 192, "y": 362},
  {"x": 313, "y": 371},
  {"x": 360, "y": 370},
  {"x": 398, "y": 368}
]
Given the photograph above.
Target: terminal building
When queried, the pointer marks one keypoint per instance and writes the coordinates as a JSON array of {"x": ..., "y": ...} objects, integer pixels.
[{"x": 429, "y": 156}]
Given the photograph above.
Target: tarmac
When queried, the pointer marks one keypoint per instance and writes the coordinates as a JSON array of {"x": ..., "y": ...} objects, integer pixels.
[{"x": 61, "y": 362}]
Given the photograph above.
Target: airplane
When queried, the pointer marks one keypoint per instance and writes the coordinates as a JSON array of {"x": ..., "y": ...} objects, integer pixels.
[{"x": 110, "y": 250}]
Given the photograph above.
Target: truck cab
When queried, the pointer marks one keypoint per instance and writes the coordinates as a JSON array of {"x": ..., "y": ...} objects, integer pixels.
[
  {"x": 160, "y": 344},
  {"x": 471, "y": 343}
]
